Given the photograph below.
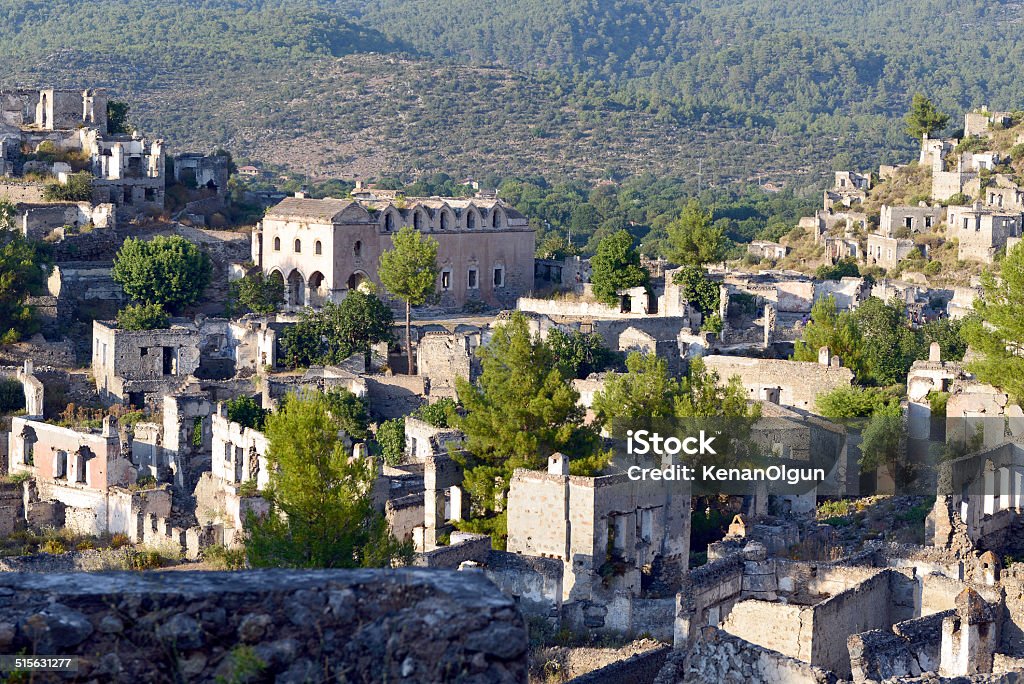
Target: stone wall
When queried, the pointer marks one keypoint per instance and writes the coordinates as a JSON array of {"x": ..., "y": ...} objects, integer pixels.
[
  {"x": 797, "y": 383},
  {"x": 355, "y": 625},
  {"x": 641, "y": 668},
  {"x": 22, "y": 192},
  {"x": 912, "y": 647},
  {"x": 12, "y": 511},
  {"x": 450, "y": 557},
  {"x": 394, "y": 396},
  {"x": 716, "y": 656},
  {"x": 534, "y": 583}
]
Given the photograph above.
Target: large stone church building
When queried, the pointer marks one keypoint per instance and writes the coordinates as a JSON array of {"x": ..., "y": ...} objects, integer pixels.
[{"x": 321, "y": 248}]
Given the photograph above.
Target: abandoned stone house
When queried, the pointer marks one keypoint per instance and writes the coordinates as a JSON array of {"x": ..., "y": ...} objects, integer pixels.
[
  {"x": 982, "y": 231},
  {"x": 763, "y": 249},
  {"x": 197, "y": 170},
  {"x": 594, "y": 523},
  {"x": 140, "y": 366},
  {"x": 796, "y": 384},
  {"x": 67, "y": 131},
  {"x": 322, "y": 248},
  {"x": 902, "y": 221},
  {"x": 887, "y": 252},
  {"x": 36, "y": 221}
]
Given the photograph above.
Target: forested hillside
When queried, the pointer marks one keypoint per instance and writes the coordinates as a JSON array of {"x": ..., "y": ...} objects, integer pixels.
[{"x": 738, "y": 90}]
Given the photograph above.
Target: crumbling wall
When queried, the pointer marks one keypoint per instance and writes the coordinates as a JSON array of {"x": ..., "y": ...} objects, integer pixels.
[
  {"x": 641, "y": 668},
  {"x": 12, "y": 509},
  {"x": 717, "y": 656},
  {"x": 394, "y": 396},
  {"x": 450, "y": 557},
  {"x": 748, "y": 618},
  {"x": 911, "y": 648},
  {"x": 534, "y": 583},
  {"x": 345, "y": 625}
]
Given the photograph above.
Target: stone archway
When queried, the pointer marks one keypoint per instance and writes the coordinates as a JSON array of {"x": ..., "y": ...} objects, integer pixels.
[{"x": 296, "y": 291}]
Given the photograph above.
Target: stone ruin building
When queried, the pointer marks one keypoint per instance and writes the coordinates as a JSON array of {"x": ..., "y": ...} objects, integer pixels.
[{"x": 321, "y": 248}]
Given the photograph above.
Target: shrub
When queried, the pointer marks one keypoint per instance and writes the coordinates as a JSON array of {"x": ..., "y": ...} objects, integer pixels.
[
  {"x": 145, "y": 560},
  {"x": 391, "y": 437},
  {"x": 223, "y": 557},
  {"x": 246, "y": 412},
  {"x": 142, "y": 317},
  {"x": 440, "y": 414},
  {"x": 77, "y": 189},
  {"x": 12, "y": 396},
  {"x": 118, "y": 540},
  {"x": 53, "y": 546}
]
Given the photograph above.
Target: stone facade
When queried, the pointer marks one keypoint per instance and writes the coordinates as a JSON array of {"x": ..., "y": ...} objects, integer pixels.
[
  {"x": 789, "y": 383},
  {"x": 589, "y": 522},
  {"x": 322, "y": 248},
  {"x": 982, "y": 231}
]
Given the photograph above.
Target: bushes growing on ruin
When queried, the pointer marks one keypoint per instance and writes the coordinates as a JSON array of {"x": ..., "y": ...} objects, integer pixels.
[
  {"x": 78, "y": 188},
  {"x": 391, "y": 438},
  {"x": 615, "y": 267},
  {"x": 256, "y": 293},
  {"x": 167, "y": 270},
  {"x": 244, "y": 410},
  {"x": 142, "y": 317}
]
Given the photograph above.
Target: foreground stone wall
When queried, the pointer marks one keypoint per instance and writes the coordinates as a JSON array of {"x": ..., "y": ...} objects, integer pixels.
[{"x": 405, "y": 625}]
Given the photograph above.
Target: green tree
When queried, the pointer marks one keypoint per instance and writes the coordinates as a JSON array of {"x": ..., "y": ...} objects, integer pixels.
[
  {"x": 948, "y": 333},
  {"x": 142, "y": 317},
  {"x": 321, "y": 510},
  {"x": 167, "y": 270},
  {"x": 77, "y": 189},
  {"x": 337, "y": 331},
  {"x": 693, "y": 239},
  {"x": 644, "y": 391},
  {"x": 256, "y": 292},
  {"x": 838, "y": 332},
  {"x": 20, "y": 276},
  {"x": 520, "y": 411},
  {"x": 350, "y": 412},
  {"x": 844, "y": 268},
  {"x": 854, "y": 402},
  {"x": 117, "y": 118},
  {"x": 616, "y": 266},
  {"x": 889, "y": 345},
  {"x": 702, "y": 293},
  {"x": 409, "y": 271},
  {"x": 923, "y": 119},
  {"x": 391, "y": 438},
  {"x": 244, "y": 410},
  {"x": 441, "y": 414},
  {"x": 996, "y": 332},
  {"x": 579, "y": 354},
  {"x": 883, "y": 444}
]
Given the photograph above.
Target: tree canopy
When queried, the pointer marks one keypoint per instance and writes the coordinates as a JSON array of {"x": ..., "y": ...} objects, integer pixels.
[
  {"x": 167, "y": 270},
  {"x": 256, "y": 292},
  {"x": 616, "y": 266},
  {"x": 996, "y": 333},
  {"x": 924, "y": 118},
  {"x": 409, "y": 271},
  {"x": 322, "y": 514},
  {"x": 693, "y": 239},
  {"x": 20, "y": 276},
  {"x": 337, "y": 331},
  {"x": 520, "y": 411},
  {"x": 142, "y": 317}
]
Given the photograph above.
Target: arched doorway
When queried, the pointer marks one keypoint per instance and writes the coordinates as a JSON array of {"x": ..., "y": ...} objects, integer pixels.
[
  {"x": 317, "y": 294},
  {"x": 296, "y": 295},
  {"x": 356, "y": 280}
]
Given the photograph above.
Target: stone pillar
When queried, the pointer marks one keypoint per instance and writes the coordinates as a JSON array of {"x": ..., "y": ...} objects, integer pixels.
[
  {"x": 769, "y": 324},
  {"x": 824, "y": 356},
  {"x": 934, "y": 353},
  {"x": 455, "y": 502},
  {"x": 968, "y": 638},
  {"x": 759, "y": 580}
]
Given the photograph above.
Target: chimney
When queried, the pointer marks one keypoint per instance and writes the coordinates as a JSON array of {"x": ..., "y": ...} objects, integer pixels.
[
  {"x": 300, "y": 194},
  {"x": 934, "y": 353},
  {"x": 824, "y": 356},
  {"x": 558, "y": 464}
]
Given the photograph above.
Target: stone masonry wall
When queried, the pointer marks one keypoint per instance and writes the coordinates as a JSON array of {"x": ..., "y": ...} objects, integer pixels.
[{"x": 405, "y": 625}]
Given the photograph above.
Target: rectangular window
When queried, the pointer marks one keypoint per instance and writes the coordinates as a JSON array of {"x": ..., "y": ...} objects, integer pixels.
[
  {"x": 446, "y": 280},
  {"x": 499, "y": 277},
  {"x": 927, "y": 221},
  {"x": 471, "y": 280},
  {"x": 908, "y": 221}
]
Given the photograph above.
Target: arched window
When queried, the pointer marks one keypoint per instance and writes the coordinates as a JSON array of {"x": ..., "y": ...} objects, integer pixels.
[
  {"x": 389, "y": 222},
  {"x": 417, "y": 220},
  {"x": 318, "y": 248},
  {"x": 277, "y": 244},
  {"x": 471, "y": 221},
  {"x": 357, "y": 249},
  {"x": 445, "y": 221},
  {"x": 497, "y": 218},
  {"x": 298, "y": 245}
]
